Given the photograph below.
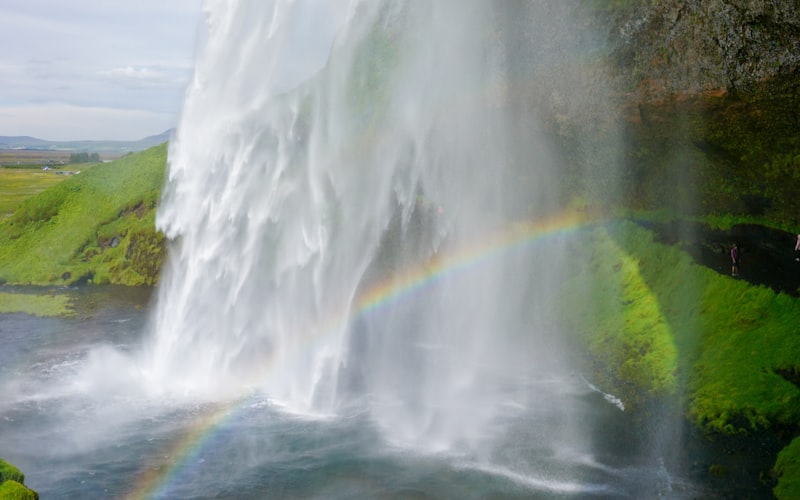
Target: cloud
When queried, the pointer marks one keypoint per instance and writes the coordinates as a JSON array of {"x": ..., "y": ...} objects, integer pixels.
[
  {"x": 129, "y": 72},
  {"x": 95, "y": 55},
  {"x": 102, "y": 61},
  {"x": 146, "y": 76}
]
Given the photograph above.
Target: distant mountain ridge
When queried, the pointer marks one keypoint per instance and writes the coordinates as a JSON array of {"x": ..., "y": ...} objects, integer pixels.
[{"x": 34, "y": 143}]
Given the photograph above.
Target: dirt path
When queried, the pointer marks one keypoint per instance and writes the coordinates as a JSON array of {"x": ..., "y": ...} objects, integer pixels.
[{"x": 767, "y": 255}]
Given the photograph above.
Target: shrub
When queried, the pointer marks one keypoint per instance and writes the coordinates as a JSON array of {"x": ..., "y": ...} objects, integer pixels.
[
  {"x": 10, "y": 473},
  {"x": 12, "y": 490},
  {"x": 787, "y": 468}
]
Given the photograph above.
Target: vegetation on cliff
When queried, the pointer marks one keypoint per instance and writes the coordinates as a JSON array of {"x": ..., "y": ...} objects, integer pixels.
[
  {"x": 656, "y": 324},
  {"x": 16, "y": 185},
  {"x": 702, "y": 120},
  {"x": 788, "y": 470},
  {"x": 12, "y": 484},
  {"x": 680, "y": 328},
  {"x": 97, "y": 226}
]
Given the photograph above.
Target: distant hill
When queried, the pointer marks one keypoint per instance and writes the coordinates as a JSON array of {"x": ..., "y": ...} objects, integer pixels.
[{"x": 33, "y": 143}]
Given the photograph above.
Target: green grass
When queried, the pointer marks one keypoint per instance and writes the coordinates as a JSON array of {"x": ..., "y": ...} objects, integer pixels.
[
  {"x": 13, "y": 490},
  {"x": 17, "y": 185},
  {"x": 47, "y": 304},
  {"x": 655, "y": 324},
  {"x": 619, "y": 320},
  {"x": 787, "y": 468},
  {"x": 662, "y": 324},
  {"x": 12, "y": 482},
  {"x": 8, "y": 472},
  {"x": 98, "y": 226}
]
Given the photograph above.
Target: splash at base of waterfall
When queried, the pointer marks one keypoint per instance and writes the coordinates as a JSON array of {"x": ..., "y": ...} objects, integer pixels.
[
  {"x": 343, "y": 242},
  {"x": 87, "y": 440}
]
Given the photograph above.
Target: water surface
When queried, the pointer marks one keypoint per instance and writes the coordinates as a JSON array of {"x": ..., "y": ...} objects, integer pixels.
[{"x": 76, "y": 435}]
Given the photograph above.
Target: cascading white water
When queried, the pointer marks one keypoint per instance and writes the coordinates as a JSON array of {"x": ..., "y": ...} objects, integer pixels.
[{"x": 287, "y": 207}]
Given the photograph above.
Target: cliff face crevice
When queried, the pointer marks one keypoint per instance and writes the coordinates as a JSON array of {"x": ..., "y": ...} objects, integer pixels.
[{"x": 674, "y": 46}]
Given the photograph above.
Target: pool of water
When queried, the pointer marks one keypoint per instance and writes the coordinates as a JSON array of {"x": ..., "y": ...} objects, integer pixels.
[{"x": 76, "y": 435}]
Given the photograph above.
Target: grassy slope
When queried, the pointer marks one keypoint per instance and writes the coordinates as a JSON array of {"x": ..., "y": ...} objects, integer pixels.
[
  {"x": 17, "y": 185},
  {"x": 788, "y": 469},
  {"x": 12, "y": 483},
  {"x": 657, "y": 324},
  {"x": 98, "y": 225}
]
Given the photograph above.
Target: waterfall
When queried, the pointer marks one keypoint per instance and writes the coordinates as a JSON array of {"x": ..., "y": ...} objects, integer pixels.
[{"x": 331, "y": 227}]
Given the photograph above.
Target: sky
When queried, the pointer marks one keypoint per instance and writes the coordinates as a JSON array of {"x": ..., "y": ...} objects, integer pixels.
[{"x": 95, "y": 69}]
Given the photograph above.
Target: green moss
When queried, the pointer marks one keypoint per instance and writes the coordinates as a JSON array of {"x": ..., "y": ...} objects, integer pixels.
[
  {"x": 748, "y": 334},
  {"x": 730, "y": 154},
  {"x": 17, "y": 185},
  {"x": 46, "y": 304},
  {"x": 12, "y": 484},
  {"x": 8, "y": 472},
  {"x": 146, "y": 253},
  {"x": 618, "y": 318},
  {"x": 787, "y": 469},
  {"x": 89, "y": 226},
  {"x": 717, "y": 470},
  {"x": 13, "y": 490},
  {"x": 656, "y": 323}
]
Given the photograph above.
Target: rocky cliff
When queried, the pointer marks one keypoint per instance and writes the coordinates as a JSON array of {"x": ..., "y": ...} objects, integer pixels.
[
  {"x": 671, "y": 47},
  {"x": 711, "y": 99},
  {"x": 696, "y": 102}
]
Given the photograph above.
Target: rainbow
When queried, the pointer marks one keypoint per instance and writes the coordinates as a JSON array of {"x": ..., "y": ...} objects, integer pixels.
[
  {"x": 513, "y": 236},
  {"x": 186, "y": 449},
  {"x": 155, "y": 482}
]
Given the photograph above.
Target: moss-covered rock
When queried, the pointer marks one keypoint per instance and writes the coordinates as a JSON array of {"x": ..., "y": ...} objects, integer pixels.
[
  {"x": 787, "y": 469},
  {"x": 655, "y": 323},
  {"x": 13, "y": 490},
  {"x": 9, "y": 472},
  {"x": 12, "y": 484},
  {"x": 618, "y": 317},
  {"x": 146, "y": 252}
]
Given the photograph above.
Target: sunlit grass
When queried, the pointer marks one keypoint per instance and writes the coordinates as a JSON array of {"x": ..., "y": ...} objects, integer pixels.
[
  {"x": 618, "y": 318},
  {"x": 17, "y": 185},
  {"x": 12, "y": 483},
  {"x": 65, "y": 233},
  {"x": 655, "y": 323},
  {"x": 648, "y": 309},
  {"x": 48, "y": 304},
  {"x": 788, "y": 470}
]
